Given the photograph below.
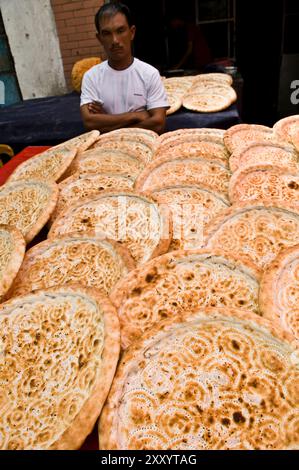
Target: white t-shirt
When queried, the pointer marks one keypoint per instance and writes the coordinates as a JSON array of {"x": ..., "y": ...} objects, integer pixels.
[{"x": 137, "y": 88}]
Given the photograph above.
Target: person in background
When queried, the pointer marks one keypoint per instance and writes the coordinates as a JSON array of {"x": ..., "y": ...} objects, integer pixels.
[
  {"x": 122, "y": 91},
  {"x": 188, "y": 48}
]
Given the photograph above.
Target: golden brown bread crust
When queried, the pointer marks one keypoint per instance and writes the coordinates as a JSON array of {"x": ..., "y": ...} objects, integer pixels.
[
  {"x": 168, "y": 404},
  {"x": 285, "y": 127},
  {"x": 73, "y": 258},
  {"x": 87, "y": 186},
  {"x": 262, "y": 242},
  {"x": 264, "y": 182},
  {"x": 192, "y": 145},
  {"x": 181, "y": 171},
  {"x": 241, "y": 135},
  {"x": 49, "y": 165},
  {"x": 192, "y": 208},
  {"x": 106, "y": 161},
  {"x": 12, "y": 252},
  {"x": 76, "y": 425},
  {"x": 210, "y": 134},
  {"x": 279, "y": 292},
  {"x": 88, "y": 214},
  {"x": 208, "y": 101},
  {"x": 28, "y": 205},
  {"x": 264, "y": 153},
  {"x": 84, "y": 422},
  {"x": 171, "y": 284}
]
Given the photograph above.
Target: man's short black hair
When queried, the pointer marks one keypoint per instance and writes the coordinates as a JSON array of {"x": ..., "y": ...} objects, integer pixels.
[{"x": 111, "y": 9}]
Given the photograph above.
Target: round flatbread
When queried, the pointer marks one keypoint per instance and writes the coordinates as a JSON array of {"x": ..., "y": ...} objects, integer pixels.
[
  {"x": 264, "y": 182},
  {"x": 220, "y": 379},
  {"x": 193, "y": 146},
  {"x": 81, "y": 142},
  {"x": 211, "y": 135},
  {"x": 279, "y": 293},
  {"x": 241, "y": 136},
  {"x": 83, "y": 258},
  {"x": 207, "y": 87},
  {"x": 108, "y": 161},
  {"x": 192, "y": 208},
  {"x": 132, "y": 219},
  {"x": 213, "y": 77},
  {"x": 295, "y": 139},
  {"x": 174, "y": 101},
  {"x": 264, "y": 153},
  {"x": 285, "y": 127},
  {"x": 61, "y": 350},
  {"x": 27, "y": 205},
  {"x": 87, "y": 186},
  {"x": 46, "y": 166},
  {"x": 207, "y": 102},
  {"x": 259, "y": 231},
  {"x": 134, "y": 146},
  {"x": 179, "y": 282},
  {"x": 12, "y": 251},
  {"x": 133, "y": 132},
  {"x": 184, "y": 171}
]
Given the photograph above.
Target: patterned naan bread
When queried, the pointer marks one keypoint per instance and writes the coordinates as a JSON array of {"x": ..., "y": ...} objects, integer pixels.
[
  {"x": 193, "y": 146},
  {"x": 184, "y": 171},
  {"x": 61, "y": 350},
  {"x": 213, "y": 87},
  {"x": 133, "y": 219},
  {"x": 262, "y": 153},
  {"x": 260, "y": 230},
  {"x": 107, "y": 161},
  {"x": 192, "y": 208},
  {"x": 241, "y": 136},
  {"x": 264, "y": 182},
  {"x": 213, "y": 77},
  {"x": 285, "y": 127},
  {"x": 27, "y": 205},
  {"x": 180, "y": 281},
  {"x": 220, "y": 379},
  {"x": 295, "y": 139},
  {"x": 146, "y": 134},
  {"x": 209, "y": 101},
  {"x": 49, "y": 165},
  {"x": 82, "y": 258},
  {"x": 12, "y": 250},
  {"x": 174, "y": 100},
  {"x": 279, "y": 294},
  {"x": 82, "y": 142},
  {"x": 211, "y": 135},
  {"x": 78, "y": 187},
  {"x": 133, "y": 146}
]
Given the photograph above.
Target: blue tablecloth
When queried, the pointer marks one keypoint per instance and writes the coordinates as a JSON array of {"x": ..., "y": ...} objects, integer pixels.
[{"x": 48, "y": 121}]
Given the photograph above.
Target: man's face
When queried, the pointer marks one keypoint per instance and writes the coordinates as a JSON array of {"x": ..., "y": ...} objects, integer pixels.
[{"x": 116, "y": 37}]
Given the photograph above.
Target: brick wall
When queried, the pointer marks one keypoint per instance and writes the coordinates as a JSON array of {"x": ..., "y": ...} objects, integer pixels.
[{"x": 76, "y": 31}]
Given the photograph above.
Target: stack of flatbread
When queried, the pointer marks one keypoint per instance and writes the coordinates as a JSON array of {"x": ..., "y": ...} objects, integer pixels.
[
  {"x": 264, "y": 162},
  {"x": 205, "y": 93},
  {"x": 188, "y": 174},
  {"x": 181, "y": 250},
  {"x": 176, "y": 88},
  {"x": 210, "y": 93}
]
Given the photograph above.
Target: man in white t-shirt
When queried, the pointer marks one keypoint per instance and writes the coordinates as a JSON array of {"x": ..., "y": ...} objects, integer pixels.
[{"x": 121, "y": 91}]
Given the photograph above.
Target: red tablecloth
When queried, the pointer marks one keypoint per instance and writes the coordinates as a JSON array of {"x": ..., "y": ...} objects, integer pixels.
[{"x": 91, "y": 442}]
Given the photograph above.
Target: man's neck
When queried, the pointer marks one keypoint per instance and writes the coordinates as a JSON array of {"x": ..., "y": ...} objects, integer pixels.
[{"x": 121, "y": 65}]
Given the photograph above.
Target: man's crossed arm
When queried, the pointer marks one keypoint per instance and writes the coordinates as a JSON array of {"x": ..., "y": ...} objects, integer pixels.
[{"x": 94, "y": 117}]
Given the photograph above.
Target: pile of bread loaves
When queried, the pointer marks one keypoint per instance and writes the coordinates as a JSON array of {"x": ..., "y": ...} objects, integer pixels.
[{"x": 164, "y": 300}]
